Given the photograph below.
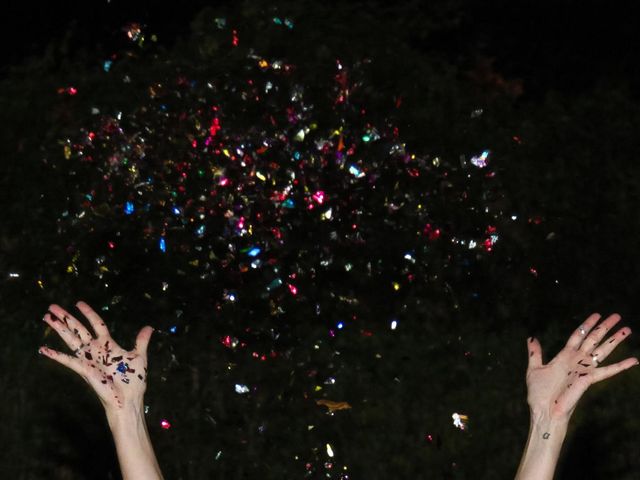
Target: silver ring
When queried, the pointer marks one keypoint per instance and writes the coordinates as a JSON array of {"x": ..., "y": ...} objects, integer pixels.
[
  {"x": 595, "y": 359},
  {"x": 582, "y": 330}
]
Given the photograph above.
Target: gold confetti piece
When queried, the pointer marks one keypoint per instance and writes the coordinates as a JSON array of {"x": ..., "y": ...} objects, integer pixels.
[{"x": 333, "y": 406}]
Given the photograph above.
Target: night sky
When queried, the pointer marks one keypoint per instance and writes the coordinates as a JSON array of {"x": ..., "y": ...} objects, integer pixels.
[
  {"x": 566, "y": 165},
  {"x": 567, "y": 46}
]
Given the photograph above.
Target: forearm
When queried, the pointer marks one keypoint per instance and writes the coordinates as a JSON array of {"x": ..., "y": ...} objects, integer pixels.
[
  {"x": 543, "y": 447},
  {"x": 133, "y": 445}
]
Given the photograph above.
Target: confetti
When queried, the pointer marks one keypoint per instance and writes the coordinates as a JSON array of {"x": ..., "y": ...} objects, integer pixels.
[
  {"x": 333, "y": 406},
  {"x": 329, "y": 450},
  {"x": 241, "y": 389},
  {"x": 459, "y": 420},
  {"x": 277, "y": 200}
]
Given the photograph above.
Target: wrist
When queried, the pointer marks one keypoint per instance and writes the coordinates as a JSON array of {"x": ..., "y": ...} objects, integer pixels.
[
  {"x": 130, "y": 413},
  {"x": 544, "y": 421}
]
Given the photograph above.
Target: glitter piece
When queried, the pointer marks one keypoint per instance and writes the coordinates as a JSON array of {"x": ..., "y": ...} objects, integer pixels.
[
  {"x": 241, "y": 388},
  {"x": 229, "y": 341},
  {"x": 480, "y": 161},
  {"x": 274, "y": 284},
  {"x": 318, "y": 197},
  {"x": 329, "y": 450},
  {"x": 356, "y": 172},
  {"x": 333, "y": 406},
  {"x": 460, "y": 420}
]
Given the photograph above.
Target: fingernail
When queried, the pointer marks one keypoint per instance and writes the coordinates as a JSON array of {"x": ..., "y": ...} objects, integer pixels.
[{"x": 40, "y": 351}]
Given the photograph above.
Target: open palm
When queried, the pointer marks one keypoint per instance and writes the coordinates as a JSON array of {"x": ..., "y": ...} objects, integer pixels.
[
  {"x": 556, "y": 387},
  {"x": 118, "y": 376}
]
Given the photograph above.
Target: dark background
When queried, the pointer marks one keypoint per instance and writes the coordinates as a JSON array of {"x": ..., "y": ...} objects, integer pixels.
[
  {"x": 567, "y": 46},
  {"x": 562, "y": 76}
]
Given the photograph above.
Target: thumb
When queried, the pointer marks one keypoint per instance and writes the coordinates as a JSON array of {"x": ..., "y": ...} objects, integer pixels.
[
  {"x": 142, "y": 340},
  {"x": 535, "y": 352}
]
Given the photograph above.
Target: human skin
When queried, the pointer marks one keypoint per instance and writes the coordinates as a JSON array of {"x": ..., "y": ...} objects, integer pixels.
[
  {"x": 119, "y": 378},
  {"x": 554, "y": 389}
]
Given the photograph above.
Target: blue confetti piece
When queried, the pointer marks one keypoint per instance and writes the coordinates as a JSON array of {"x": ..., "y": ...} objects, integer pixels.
[
  {"x": 253, "y": 252},
  {"x": 107, "y": 65},
  {"x": 163, "y": 244},
  {"x": 173, "y": 329},
  {"x": 200, "y": 230},
  {"x": 355, "y": 171},
  {"x": 128, "y": 208},
  {"x": 122, "y": 367},
  {"x": 288, "y": 203}
]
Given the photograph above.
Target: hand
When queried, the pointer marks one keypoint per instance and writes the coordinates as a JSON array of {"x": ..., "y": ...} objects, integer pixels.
[
  {"x": 117, "y": 376},
  {"x": 555, "y": 388}
]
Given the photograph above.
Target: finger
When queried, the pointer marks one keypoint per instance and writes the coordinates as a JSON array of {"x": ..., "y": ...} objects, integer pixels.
[
  {"x": 62, "y": 358},
  {"x": 72, "y": 322},
  {"x": 610, "y": 344},
  {"x": 598, "y": 333},
  {"x": 577, "y": 337},
  {"x": 602, "y": 373},
  {"x": 535, "y": 353},
  {"x": 72, "y": 340},
  {"x": 94, "y": 319},
  {"x": 142, "y": 340}
]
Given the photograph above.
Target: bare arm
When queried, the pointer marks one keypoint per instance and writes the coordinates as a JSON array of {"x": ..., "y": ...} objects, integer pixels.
[
  {"x": 135, "y": 452},
  {"x": 119, "y": 379},
  {"x": 554, "y": 390}
]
